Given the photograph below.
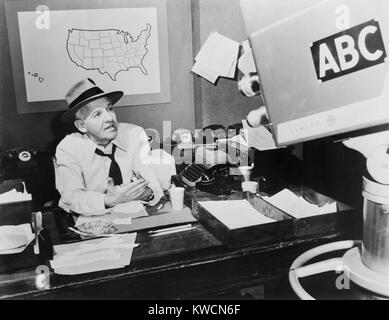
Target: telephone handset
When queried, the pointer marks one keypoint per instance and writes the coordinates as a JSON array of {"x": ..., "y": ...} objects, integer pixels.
[{"x": 199, "y": 175}]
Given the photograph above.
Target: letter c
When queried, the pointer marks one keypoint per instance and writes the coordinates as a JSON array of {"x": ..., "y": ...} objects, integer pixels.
[{"x": 371, "y": 56}]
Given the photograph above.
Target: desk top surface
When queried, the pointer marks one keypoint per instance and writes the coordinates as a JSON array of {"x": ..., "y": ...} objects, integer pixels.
[{"x": 170, "y": 254}]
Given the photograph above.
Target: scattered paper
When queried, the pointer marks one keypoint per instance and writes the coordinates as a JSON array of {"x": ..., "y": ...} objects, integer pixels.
[
  {"x": 93, "y": 255},
  {"x": 235, "y": 214},
  {"x": 15, "y": 196},
  {"x": 217, "y": 58},
  {"x": 297, "y": 206},
  {"x": 259, "y": 138},
  {"x": 166, "y": 217},
  {"x": 132, "y": 208},
  {"x": 246, "y": 62},
  {"x": 14, "y": 239},
  {"x": 120, "y": 214}
]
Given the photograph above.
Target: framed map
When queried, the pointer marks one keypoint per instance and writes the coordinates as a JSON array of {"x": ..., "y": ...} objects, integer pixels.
[{"x": 121, "y": 45}]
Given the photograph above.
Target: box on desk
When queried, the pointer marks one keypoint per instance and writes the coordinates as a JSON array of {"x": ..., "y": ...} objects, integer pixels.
[{"x": 285, "y": 226}]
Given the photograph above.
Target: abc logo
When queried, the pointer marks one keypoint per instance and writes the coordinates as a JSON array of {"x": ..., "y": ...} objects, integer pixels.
[{"x": 348, "y": 51}]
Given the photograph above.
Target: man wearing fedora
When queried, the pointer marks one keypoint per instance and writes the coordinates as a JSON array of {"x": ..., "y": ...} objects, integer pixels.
[{"x": 106, "y": 162}]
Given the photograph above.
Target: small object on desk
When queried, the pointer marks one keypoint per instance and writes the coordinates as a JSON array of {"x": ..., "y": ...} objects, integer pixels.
[
  {"x": 178, "y": 229},
  {"x": 246, "y": 172},
  {"x": 96, "y": 227},
  {"x": 250, "y": 186},
  {"x": 84, "y": 234},
  {"x": 37, "y": 225},
  {"x": 171, "y": 228},
  {"x": 177, "y": 198}
]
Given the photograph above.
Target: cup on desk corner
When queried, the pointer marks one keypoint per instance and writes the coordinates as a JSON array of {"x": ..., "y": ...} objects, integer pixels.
[
  {"x": 177, "y": 197},
  {"x": 246, "y": 172},
  {"x": 250, "y": 186}
]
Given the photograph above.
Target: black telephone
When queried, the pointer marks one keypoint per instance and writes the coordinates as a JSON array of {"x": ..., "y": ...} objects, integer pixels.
[
  {"x": 21, "y": 157},
  {"x": 214, "y": 179}
]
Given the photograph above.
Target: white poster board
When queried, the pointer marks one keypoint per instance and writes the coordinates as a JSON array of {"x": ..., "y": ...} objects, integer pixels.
[{"x": 120, "y": 48}]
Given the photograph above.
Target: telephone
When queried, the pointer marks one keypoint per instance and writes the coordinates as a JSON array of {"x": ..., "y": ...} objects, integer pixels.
[
  {"x": 214, "y": 179},
  {"x": 21, "y": 157}
]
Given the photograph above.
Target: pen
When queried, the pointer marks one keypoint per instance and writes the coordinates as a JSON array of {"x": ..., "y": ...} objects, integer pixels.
[
  {"x": 171, "y": 228},
  {"x": 171, "y": 231}
]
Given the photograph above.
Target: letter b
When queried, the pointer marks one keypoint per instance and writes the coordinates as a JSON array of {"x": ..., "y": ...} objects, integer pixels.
[{"x": 345, "y": 46}]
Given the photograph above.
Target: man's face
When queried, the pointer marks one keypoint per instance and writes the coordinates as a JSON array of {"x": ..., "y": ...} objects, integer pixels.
[{"x": 100, "y": 121}]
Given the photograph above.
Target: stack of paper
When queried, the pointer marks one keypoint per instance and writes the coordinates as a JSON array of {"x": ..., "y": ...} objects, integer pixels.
[
  {"x": 297, "y": 206},
  {"x": 94, "y": 255},
  {"x": 120, "y": 214},
  {"x": 217, "y": 58},
  {"x": 246, "y": 62},
  {"x": 15, "y": 196},
  {"x": 235, "y": 214},
  {"x": 14, "y": 239}
]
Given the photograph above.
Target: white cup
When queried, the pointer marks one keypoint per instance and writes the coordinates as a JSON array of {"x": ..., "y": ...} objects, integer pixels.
[
  {"x": 250, "y": 186},
  {"x": 246, "y": 172},
  {"x": 177, "y": 197}
]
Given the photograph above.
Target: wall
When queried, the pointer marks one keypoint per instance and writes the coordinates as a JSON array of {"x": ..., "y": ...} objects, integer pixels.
[
  {"x": 221, "y": 103},
  {"x": 41, "y": 130}
]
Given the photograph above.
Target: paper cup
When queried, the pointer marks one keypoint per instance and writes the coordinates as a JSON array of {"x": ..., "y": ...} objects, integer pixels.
[
  {"x": 246, "y": 172},
  {"x": 250, "y": 186},
  {"x": 177, "y": 198}
]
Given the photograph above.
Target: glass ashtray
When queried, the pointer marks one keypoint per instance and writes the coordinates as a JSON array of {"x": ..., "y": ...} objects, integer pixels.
[{"x": 97, "y": 227}]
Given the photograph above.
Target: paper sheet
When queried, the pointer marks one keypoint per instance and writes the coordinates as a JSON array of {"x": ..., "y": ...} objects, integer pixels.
[
  {"x": 246, "y": 62},
  {"x": 259, "y": 138},
  {"x": 297, "y": 206},
  {"x": 166, "y": 217},
  {"x": 120, "y": 214},
  {"x": 217, "y": 57},
  {"x": 93, "y": 255},
  {"x": 14, "y": 239},
  {"x": 15, "y": 196},
  {"x": 235, "y": 213}
]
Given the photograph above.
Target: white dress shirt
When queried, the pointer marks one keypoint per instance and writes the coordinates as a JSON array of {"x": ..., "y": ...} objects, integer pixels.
[{"x": 81, "y": 174}]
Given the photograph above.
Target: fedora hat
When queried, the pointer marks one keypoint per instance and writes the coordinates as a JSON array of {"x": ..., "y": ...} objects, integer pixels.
[{"x": 84, "y": 92}]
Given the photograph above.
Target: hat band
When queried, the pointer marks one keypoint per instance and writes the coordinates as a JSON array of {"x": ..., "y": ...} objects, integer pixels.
[{"x": 86, "y": 95}]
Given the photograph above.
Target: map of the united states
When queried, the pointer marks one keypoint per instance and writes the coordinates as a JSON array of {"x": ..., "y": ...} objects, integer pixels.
[{"x": 108, "y": 51}]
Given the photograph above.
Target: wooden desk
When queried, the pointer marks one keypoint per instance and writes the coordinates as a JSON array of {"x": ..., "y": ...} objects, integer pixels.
[{"x": 191, "y": 264}]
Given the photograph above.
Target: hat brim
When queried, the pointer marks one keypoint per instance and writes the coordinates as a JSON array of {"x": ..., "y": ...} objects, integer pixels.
[{"x": 114, "y": 96}]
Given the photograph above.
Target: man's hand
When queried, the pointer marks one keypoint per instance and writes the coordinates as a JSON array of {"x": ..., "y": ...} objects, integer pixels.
[{"x": 124, "y": 193}]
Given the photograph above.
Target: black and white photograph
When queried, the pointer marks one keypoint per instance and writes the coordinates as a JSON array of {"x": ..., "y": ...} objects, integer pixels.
[{"x": 194, "y": 157}]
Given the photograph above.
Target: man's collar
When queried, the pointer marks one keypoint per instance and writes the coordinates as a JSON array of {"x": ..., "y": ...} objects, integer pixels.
[
  {"x": 119, "y": 143},
  {"x": 91, "y": 146}
]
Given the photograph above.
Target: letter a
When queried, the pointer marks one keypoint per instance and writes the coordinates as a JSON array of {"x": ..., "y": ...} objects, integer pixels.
[
  {"x": 343, "y": 20},
  {"x": 324, "y": 56},
  {"x": 343, "y": 280},
  {"x": 43, "y": 19}
]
